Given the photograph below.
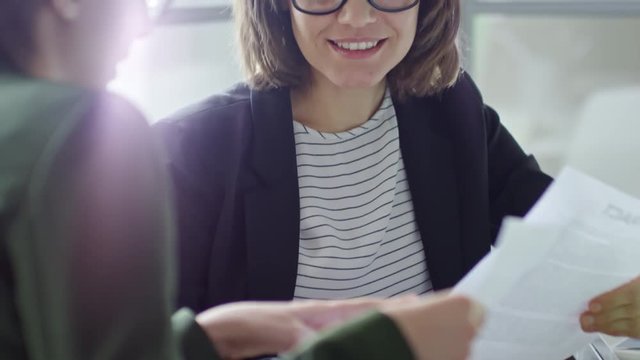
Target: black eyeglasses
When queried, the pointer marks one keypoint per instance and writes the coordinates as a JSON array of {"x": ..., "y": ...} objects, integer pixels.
[{"x": 324, "y": 7}]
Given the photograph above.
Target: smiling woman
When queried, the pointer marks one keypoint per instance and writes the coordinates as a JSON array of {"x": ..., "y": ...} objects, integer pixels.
[
  {"x": 356, "y": 160},
  {"x": 328, "y": 45},
  {"x": 431, "y": 65}
]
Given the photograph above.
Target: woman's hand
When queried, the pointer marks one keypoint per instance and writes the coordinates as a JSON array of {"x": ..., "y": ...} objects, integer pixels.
[
  {"x": 248, "y": 329},
  {"x": 438, "y": 327},
  {"x": 616, "y": 312}
]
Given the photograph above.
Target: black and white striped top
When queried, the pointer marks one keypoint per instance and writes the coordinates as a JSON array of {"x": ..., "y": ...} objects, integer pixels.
[{"x": 358, "y": 235}]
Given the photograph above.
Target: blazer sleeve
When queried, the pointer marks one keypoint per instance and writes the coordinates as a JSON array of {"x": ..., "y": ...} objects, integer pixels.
[
  {"x": 89, "y": 245},
  {"x": 515, "y": 179}
]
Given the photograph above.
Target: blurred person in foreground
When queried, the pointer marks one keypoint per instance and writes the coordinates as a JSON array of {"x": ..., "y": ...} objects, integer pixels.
[{"x": 86, "y": 225}]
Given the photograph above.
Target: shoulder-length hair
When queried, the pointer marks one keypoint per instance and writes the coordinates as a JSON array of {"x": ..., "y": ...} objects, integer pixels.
[{"x": 271, "y": 57}]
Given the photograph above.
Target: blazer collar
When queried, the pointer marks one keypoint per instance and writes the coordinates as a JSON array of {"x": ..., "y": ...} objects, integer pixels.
[
  {"x": 272, "y": 206},
  {"x": 273, "y": 148},
  {"x": 427, "y": 150}
]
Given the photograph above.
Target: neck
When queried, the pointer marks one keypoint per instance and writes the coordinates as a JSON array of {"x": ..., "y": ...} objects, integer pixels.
[
  {"x": 325, "y": 107},
  {"x": 48, "y": 60}
]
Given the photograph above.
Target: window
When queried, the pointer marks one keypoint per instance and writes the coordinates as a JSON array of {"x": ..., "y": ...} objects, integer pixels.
[
  {"x": 540, "y": 62},
  {"x": 189, "y": 55}
]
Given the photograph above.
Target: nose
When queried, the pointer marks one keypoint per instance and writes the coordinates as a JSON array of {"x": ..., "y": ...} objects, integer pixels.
[{"x": 357, "y": 13}]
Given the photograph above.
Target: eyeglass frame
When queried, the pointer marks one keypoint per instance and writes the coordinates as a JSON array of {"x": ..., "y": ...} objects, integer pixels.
[{"x": 343, "y": 2}]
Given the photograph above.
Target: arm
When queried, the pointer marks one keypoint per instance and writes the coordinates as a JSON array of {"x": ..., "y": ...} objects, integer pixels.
[
  {"x": 193, "y": 340},
  {"x": 435, "y": 327},
  {"x": 372, "y": 337},
  {"x": 89, "y": 245},
  {"x": 515, "y": 179}
]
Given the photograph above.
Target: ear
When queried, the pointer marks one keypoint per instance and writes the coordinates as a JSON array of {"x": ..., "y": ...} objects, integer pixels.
[{"x": 66, "y": 9}]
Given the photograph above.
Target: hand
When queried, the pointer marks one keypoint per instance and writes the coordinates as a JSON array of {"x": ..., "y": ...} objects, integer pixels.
[
  {"x": 616, "y": 312},
  {"x": 439, "y": 327},
  {"x": 248, "y": 329}
]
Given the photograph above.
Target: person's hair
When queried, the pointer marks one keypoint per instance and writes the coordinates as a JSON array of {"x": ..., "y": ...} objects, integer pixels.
[
  {"x": 271, "y": 57},
  {"x": 16, "y": 31}
]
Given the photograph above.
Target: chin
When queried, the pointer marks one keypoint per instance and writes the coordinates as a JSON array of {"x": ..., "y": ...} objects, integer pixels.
[{"x": 348, "y": 81}]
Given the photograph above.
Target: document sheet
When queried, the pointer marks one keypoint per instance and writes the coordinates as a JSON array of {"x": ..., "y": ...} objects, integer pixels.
[{"x": 581, "y": 239}]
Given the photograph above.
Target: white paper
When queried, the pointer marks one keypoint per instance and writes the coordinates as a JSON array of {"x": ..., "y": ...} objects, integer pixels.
[{"x": 580, "y": 240}]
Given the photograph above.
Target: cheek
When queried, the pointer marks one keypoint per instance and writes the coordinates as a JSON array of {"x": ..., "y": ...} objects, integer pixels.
[
  {"x": 308, "y": 30},
  {"x": 406, "y": 28},
  {"x": 406, "y": 36}
]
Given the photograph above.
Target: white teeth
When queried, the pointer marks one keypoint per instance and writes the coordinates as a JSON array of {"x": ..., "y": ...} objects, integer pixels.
[{"x": 364, "y": 45}]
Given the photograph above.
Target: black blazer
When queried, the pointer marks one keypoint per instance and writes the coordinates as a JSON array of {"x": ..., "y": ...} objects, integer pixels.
[{"x": 233, "y": 163}]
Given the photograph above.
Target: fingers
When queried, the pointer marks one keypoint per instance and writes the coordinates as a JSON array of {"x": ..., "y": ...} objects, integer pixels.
[
  {"x": 244, "y": 330},
  {"x": 475, "y": 311},
  {"x": 611, "y": 300},
  {"x": 477, "y": 315},
  {"x": 623, "y": 327},
  {"x": 319, "y": 315},
  {"x": 616, "y": 312},
  {"x": 626, "y": 294},
  {"x": 621, "y": 321},
  {"x": 311, "y": 307}
]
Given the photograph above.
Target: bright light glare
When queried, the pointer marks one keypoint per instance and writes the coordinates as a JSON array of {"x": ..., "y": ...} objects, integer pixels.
[{"x": 155, "y": 7}]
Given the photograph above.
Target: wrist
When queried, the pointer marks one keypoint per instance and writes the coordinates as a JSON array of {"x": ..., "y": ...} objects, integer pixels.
[{"x": 224, "y": 335}]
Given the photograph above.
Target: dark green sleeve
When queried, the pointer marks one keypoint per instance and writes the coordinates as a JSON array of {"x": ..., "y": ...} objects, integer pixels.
[
  {"x": 372, "y": 337},
  {"x": 194, "y": 343},
  {"x": 89, "y": 245}
]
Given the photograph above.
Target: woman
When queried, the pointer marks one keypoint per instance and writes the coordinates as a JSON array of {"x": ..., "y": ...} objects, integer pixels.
[
  {"x": 86, "y": 228},
  {"x": 357, "y": 159}
]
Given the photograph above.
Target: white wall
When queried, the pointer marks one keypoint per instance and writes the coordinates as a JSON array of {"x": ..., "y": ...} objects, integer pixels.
[
  {"x": 177, "y": 65},
  {"x": 538, "y": 72}
]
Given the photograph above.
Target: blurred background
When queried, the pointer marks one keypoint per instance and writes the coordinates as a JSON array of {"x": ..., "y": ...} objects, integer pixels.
[{"x": 539, "y": 63}]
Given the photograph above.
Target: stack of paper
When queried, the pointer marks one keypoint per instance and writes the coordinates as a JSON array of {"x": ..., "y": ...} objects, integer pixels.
[{"x": 581, "y": 239}]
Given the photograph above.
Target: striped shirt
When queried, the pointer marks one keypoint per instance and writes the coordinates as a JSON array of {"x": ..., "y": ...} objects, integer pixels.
[{"x": 358, "y": 234}]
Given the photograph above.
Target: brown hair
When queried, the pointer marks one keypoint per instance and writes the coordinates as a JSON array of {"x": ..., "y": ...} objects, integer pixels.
[
  {"x": 16, "y": 34},
  {"x": 272, "y": 58}
]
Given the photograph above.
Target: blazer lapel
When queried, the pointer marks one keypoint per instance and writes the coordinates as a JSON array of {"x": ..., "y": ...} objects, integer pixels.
[
  {"x": 426, "y": 147},
  {"x": 272, "y": 207}
]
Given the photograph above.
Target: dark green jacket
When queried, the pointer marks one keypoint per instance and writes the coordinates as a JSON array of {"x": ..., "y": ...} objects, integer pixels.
[{"x": 86, "y": 236}]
